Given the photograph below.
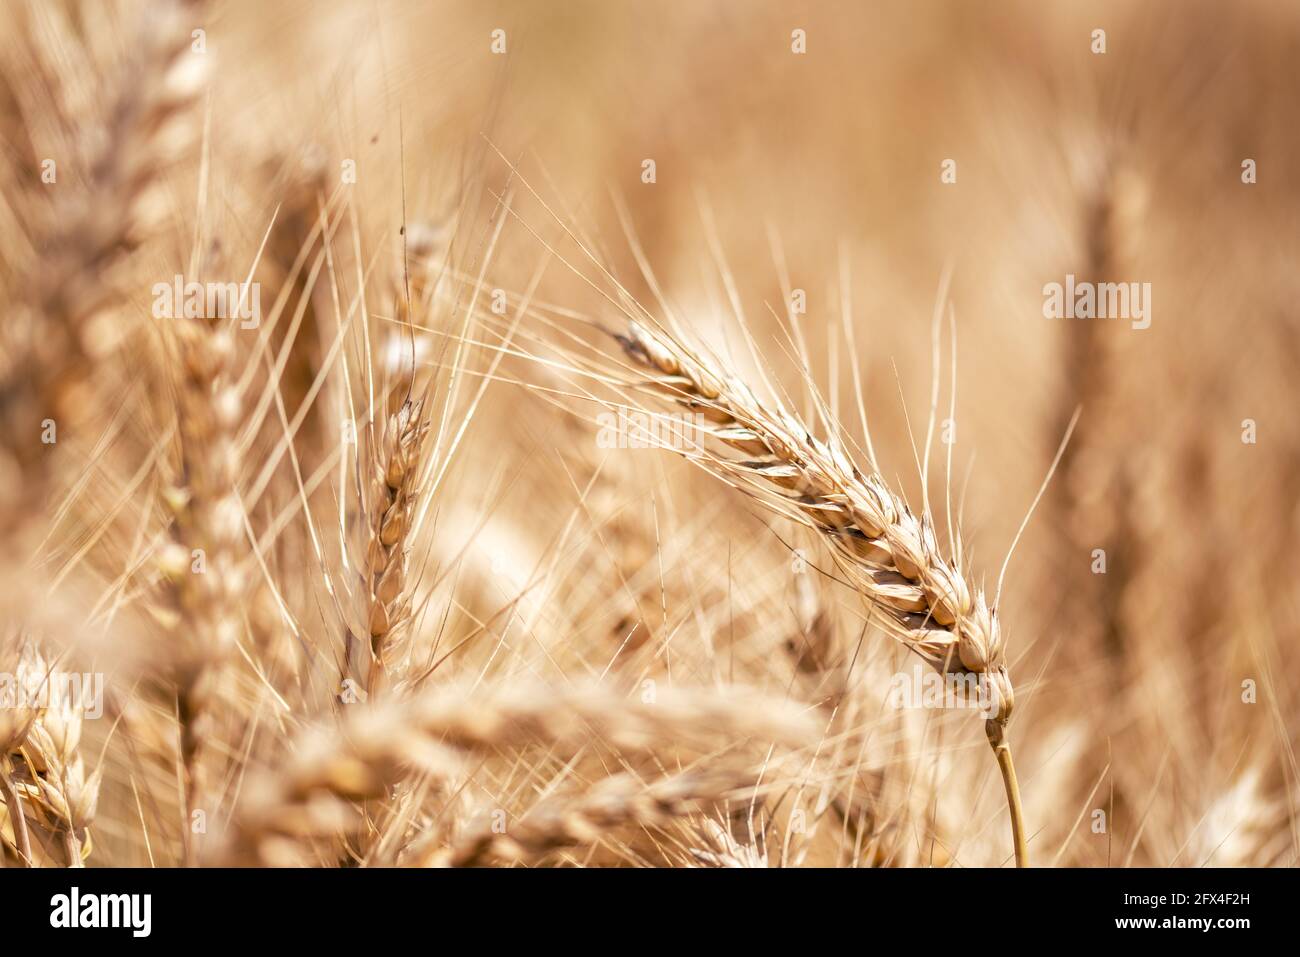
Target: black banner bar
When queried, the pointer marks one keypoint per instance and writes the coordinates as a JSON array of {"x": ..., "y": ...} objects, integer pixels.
[{"x": 565, "y": 906}]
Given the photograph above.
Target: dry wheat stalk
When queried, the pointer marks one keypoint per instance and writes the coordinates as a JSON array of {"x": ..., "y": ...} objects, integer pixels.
[
  {"x": 395, "y": 484},
  {"x": 204, "y": 581},
  {"x": 68, "y": 307},
  {"x": 299, "y": 237},
  {"x": 13, "y": 815},
  {"x": 1097, "y": 491},
  {"x": 889, "y": 554},
  {"x": 620, "y": 800}
]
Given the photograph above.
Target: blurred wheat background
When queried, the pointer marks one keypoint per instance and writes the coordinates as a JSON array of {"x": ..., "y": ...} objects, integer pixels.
[{"x": 365, "y": 586}]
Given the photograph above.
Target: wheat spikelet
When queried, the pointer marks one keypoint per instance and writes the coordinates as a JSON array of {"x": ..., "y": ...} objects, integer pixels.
[
  {"x": 514, "y": 715},
  {"x": 386, "y": 597},
  {"x": 313, "y": 796},
  {"x": 888, "y": 553}
]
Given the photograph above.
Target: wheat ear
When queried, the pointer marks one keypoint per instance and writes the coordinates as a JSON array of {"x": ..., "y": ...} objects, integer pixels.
[
  {"x": 889, "y": 554},
  {"x": 201, "y": 566},
  {"x": 63, "y": 793},
  {"x": 41, "y": 732},
  {"x": 87, "y": 236},
  {"x": 396, "y": 485},
  {"x": 398, "y": 470}
]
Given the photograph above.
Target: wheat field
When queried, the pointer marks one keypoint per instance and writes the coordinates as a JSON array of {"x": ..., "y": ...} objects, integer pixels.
[{"x": 701, "y": 435}]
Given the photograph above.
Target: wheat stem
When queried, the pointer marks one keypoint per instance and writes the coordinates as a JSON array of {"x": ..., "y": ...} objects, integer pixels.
[
  {"x": 22, "y": 841},
  {"x": 73, "y": 847},
  {"x": 996, "y": 732}
]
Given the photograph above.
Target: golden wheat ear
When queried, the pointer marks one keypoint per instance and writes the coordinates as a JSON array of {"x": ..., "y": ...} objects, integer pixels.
[
  {"x": 202, "y": 567},
  {"x": 86, "y": 236},
  {"x": 889, "y": 554}
]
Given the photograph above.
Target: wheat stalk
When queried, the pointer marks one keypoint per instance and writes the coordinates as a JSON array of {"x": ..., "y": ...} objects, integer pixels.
[
  {"x": 1112, "y": 197},
  {"x": 23, "y": 666},
  {"x": 888, "y": 553},
  {"x": 301, "y": 235}
]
